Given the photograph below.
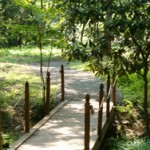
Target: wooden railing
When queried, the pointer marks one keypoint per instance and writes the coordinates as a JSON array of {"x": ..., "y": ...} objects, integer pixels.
[
  {"x": 110, "y": 100},
  {"x": 47, "y": 102}
]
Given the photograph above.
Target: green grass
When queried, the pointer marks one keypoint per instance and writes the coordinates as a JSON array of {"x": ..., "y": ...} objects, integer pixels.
[
  {"x": 78, "y": 65},
  {"x": 28, "y": 55},
  {"x": 135, "y": 144},
  {"x": 15, "y": 70},
  {"x": 132, "y": 88}
]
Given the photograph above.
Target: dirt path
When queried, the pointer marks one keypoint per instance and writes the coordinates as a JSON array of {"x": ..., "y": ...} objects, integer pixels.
[{"x": 77, "y": 83}]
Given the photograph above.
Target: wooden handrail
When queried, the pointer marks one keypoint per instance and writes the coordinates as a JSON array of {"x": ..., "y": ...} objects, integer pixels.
[
  {"x": 108, "y": 97},
  {"x": 100, "y": 111},
  {"x": 27, "y": 107},
  {"x": 47, "y": 93},
  {"x": 101, "y": 129},
  {"x": 62, "y": 83},
  {"x": 103, "y": 100},
  {"x": 87, "y": 123}
]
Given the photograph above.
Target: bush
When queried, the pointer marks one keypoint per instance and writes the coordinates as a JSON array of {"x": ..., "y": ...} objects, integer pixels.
[{"x": 131, "y": 87}]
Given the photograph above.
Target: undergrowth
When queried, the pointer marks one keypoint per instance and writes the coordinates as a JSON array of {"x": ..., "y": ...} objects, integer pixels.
[
  {"x": 131, "y": 87},
  {"x": 134, "y": 144},
  {"x": 129, "y": 121}
]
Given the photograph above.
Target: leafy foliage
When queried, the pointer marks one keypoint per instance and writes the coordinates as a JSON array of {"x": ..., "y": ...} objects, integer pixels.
[
  {"x": 23, "y": 22},
  {"x": 112, "y": 36},
  {"x": 100, "y": 29},
  {"x": 127, "y": 107},
  {"x": 136, "y": 144}
]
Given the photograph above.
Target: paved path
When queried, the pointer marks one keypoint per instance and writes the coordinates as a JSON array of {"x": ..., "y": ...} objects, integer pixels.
[{"x": 77, "y": 82}]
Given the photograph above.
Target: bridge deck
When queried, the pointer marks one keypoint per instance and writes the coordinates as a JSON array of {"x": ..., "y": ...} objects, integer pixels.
[{"x": 65, "y": 129}]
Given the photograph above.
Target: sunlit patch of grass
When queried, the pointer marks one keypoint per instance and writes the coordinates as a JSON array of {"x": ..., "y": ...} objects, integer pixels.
[
  {"x": 78, "y": 65},
  {"x": 28, "y": 54},
  {"x": 132, "y": 88},
  {"x": 13, "y": 81}
]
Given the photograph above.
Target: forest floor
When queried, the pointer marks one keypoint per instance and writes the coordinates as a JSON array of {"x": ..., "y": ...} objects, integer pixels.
[{"x": 125, "y": 127}]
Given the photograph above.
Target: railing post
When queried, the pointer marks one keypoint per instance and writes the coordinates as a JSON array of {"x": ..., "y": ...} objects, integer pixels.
[
  {"x": 47, "y": 93},
  {"x": 100, "y": 112},
  {"x": 114, "y": 91},
  {"x": 87, "y": 123},
  {"x": 0, "y": 130},
  {"x": 27, "y": 126},
  {"x": 62, "y": 83},
  {"x": 108, "y": 97}
]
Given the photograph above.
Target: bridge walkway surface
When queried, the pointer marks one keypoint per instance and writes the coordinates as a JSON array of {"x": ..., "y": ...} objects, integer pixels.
[{"x": 63, "y": 129}]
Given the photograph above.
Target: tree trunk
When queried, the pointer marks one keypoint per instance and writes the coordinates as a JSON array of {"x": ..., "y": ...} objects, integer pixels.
[
  {"x": 41, "y": 66},
  {"x": 146, "y": 99},
  {"x": 42, "y": 6},
  {"x": 106, "y": 28}
]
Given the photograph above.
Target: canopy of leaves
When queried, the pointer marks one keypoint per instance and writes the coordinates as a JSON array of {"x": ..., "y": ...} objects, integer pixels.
[
  {"x": 113, "y": 36},
  {"x": 24, "y": 20}
]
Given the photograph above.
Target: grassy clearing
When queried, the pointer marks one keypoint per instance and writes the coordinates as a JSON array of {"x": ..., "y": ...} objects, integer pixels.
[
  {"x": 16, "y": 67},
  {"x": 28, "y": 55}
]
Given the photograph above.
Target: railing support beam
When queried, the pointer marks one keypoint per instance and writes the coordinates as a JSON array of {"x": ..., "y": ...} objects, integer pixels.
[
  {"x": 62, "y": 84},
  {"x": 87, "y": 123},
  {"x": 27, "y": 107},
  {"x": 108, "y": 97},
  {"x": 100, "y": 112},
  {"x": 47, "y": 93}
]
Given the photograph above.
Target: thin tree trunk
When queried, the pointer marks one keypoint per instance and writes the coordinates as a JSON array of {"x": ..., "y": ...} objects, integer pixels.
[
  {"x": 106, "y": 28},
  {"x": 146, "y": 99},
  {"x": 41, "y": 66},
  {"x": 145, "y": 92},
  {"x": 42, "y": 6}
]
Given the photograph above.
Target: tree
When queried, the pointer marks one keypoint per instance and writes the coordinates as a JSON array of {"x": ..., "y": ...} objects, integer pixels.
[
  {"x": 31, "y": 22},
  {"x": 132, "y": 23},
  {"x": 41, "y": 21},
  {"x": 111, "y": 36}
]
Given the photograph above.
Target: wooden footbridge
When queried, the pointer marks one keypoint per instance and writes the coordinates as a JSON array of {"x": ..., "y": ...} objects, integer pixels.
[{"x": 72, "y": 125}]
